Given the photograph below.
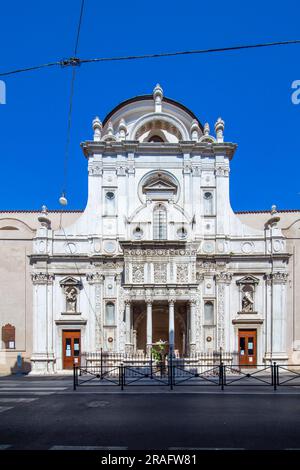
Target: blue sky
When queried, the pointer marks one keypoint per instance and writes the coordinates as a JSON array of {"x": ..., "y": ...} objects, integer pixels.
[{"x": 251, "y": 89}]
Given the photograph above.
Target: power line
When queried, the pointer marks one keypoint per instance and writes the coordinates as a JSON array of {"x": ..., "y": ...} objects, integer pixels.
[
  {"x": 67, "y": 150},
  {"x": 197, "y": 51},
  {"x": 78, "y": 28},
  {"x": 74, "y": 61}
]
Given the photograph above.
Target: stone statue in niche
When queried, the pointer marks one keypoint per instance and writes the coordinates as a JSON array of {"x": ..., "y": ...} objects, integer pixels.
[
  {"x": 71, "y": 298},
  {"x": 247, "y": 301}
]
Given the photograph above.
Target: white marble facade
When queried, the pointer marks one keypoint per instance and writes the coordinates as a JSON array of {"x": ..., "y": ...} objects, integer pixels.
[{"x": 158, "y": 247}]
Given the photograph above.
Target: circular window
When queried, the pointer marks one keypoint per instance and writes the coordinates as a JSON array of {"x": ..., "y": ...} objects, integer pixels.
[
  {"x": 110, "y": 195},
  {"x": 138, "y": 233},
  {"x": 181, "y": 233},
  {"x": 207, "y": 195}
]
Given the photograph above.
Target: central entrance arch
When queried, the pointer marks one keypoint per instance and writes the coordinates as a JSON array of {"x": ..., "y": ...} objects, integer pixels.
[{"x": 160, "y": 325}]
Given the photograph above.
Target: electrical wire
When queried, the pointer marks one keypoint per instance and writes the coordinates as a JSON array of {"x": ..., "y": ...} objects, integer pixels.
[
  {"x": 75, "y": 61},
  {"x": 67, "y": 149}
]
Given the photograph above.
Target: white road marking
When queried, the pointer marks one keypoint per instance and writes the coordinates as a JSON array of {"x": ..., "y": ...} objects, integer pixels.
[
  {"x": 5, "y": 408},
  {"x": 17, "y": 400},
  {"x": 28, "y": 393},
  {"x": 36, "y": 389},
  {"x": 87, "y": 448},
  {"x": 4, "y": 446}
]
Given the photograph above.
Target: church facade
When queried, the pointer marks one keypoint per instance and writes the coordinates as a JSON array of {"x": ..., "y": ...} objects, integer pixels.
[{"x": 158, "y": 255}]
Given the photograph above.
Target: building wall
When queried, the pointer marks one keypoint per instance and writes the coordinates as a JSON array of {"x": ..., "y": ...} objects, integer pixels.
[
  {"x": 16, "y": 285},
  {"x": 59, "y": 270}
]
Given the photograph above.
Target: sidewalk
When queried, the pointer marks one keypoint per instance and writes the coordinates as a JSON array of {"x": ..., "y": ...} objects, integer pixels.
[{"x": 14, "y": 382}]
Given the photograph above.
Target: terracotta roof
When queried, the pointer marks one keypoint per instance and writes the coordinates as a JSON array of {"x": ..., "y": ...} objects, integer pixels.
[
  {"x": 24, "y": 211},
  {"x": 78, "y": 211},
  {"x": 265, "y": 211}
]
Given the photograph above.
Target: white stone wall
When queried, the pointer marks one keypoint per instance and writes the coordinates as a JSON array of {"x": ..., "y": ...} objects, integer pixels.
[{"x": 218, "y": 248}]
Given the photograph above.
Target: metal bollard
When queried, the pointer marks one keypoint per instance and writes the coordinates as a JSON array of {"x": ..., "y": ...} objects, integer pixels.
[{"x": 74, "y": 377}]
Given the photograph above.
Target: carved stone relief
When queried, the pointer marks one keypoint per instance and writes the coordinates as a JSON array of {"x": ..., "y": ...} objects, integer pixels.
[{"x": 182, "y": 273}]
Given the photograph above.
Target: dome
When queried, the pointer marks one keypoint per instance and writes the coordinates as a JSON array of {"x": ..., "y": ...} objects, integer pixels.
[{"x": 151, "y": 118}]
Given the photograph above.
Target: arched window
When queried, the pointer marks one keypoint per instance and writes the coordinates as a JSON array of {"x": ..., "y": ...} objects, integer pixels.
[
  {"x": 208, "y": 203},
  {"x": 110, "y": 314},
  {"x": 208, "y": 313},
  {"x": 160, "y": 222}
]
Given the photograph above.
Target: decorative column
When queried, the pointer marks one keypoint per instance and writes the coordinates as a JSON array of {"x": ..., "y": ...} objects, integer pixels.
[
  {"x": 42, "y": 358},
  {"x": 278, "y": 316},
  {"x": 95, "y": 314},
  {"x": 149, "y": 325},
  {"x": 128, "y": 345},
  {"x": 223, "y": 280},
  {"x": 192, "y": 323},
  {"x": 171, "y": 324}
]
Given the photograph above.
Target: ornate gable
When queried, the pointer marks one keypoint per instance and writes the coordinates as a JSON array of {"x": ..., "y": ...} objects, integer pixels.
[{"x": 249, "y": 279}]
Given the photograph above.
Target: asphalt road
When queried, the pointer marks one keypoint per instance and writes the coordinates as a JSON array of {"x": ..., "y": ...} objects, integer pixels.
[{"x": 39, "y": 415}]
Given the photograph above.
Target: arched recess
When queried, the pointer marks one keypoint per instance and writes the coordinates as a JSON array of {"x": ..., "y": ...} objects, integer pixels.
[
  {"x": 162, "y": 181},
  {"x": 12, "y": 224},
  {"x": 168, "y": 125}
]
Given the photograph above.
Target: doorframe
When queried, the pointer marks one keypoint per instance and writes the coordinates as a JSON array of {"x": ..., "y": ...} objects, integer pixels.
[
  {"x": 59, "y": 343},
  {"x": 259, "y": 338},
  {"x": 64, "y": 335}
]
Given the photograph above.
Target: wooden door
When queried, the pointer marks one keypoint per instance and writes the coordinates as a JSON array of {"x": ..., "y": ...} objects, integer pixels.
[
  {"x": 247, "y": 347},
  {"x": 71, "y": 348}
]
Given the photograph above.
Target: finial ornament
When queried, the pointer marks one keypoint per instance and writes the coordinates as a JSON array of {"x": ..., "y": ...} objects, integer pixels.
[
  {"x": 219, "y": 129},
  {"x": 158, "y": 95},
  {"x": 195, "y": 130},
  {"x": 44, "y": 210},
  {"x": 97, "y": 128},
  {"x": 206, "y": 129},
  {"x": 122, "y": 129},
  {"x": 110, "y": 129},
  {"x": 273, "y": 209},
  {"x": 43, "y": 218}
]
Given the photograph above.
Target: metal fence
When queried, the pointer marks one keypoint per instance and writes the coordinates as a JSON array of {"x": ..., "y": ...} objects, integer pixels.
[{"x": 175, "y": 372}]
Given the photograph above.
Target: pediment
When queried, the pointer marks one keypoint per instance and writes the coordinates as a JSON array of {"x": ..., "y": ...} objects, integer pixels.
[
  {"x": 70, "y": 281},
  {"x": 160, "y": 185},
  {"x": 249, "y": 279}
]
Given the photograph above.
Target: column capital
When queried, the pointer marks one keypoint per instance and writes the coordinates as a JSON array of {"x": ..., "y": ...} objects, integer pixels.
[
  {"x": 42, "y": 278},
  {"x": 95, "y": 277},
  {"x": 223, "y": 277},
  {"x": 277, "y": 277}
]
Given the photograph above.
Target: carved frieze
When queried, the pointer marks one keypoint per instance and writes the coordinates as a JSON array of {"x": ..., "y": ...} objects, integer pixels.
[
  {"x": 182, "y": 273},
  {"x": 160, "y": 273},
  {"x": 138, "y": 273},
  {"x": 159, "y": 252}
]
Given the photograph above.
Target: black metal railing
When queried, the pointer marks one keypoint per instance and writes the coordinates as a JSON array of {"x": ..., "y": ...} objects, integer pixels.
[{"x": 175, "y": 372}]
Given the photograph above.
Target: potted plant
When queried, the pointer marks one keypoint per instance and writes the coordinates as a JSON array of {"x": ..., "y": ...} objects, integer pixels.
[{"x": 158, "y": 353}]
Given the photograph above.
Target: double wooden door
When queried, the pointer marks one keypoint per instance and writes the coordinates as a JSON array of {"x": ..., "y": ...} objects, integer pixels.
[
  {"x": 247, "y": 347},
  {"x": 71, "y": 348}
]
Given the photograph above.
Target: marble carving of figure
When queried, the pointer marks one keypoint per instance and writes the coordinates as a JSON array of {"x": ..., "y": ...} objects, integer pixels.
[
  {"x": 247, "y": 302},
  {"x": 71, "y": 299}
]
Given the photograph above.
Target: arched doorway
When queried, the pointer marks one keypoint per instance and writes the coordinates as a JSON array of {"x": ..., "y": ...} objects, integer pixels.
[{"x": 160, "y": 325}]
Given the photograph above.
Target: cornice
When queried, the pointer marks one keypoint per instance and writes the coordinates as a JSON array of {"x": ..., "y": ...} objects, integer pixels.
[{"x": 131, "y": 146}]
